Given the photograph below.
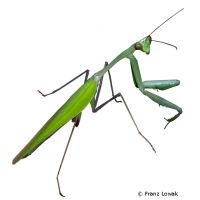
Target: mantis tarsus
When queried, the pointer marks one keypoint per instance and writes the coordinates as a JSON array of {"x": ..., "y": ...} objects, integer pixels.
[{"x": 89, "y": 93}]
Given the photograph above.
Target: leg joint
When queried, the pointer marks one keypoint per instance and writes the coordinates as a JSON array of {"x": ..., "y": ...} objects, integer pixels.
[{"x": 142, "y": 90}]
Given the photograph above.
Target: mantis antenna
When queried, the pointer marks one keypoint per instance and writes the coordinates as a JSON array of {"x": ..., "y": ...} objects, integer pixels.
[
  {"x": 165, "y": 21},
  {"x": 165, "y": 43},
  {"x": 163, "y": 24}
]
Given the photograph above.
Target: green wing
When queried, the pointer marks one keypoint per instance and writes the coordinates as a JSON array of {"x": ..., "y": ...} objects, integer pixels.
[{"x": 73, "y": 106}]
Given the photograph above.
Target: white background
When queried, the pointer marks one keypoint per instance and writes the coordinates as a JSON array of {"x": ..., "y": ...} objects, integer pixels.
[{"x": 43, "y": 44}]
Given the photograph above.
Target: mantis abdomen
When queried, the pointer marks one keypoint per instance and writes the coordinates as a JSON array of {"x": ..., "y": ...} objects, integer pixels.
[{"x": 71, "y": 108}]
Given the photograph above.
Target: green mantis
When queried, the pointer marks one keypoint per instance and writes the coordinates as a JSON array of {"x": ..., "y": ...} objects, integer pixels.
[{"x": 89, "y": 93}]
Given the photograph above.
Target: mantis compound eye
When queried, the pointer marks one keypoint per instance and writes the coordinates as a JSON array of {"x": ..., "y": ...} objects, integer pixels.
[
  {"x": 149, "y": 39},
  {"x": 138, "y": 46}
]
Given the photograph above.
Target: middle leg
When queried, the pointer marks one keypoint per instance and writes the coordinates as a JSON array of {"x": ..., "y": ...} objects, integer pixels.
[{"x": 96, "y": 108}]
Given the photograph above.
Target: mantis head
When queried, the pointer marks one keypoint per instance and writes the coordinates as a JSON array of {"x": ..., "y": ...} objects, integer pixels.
[{"x": 144, "y": 44}]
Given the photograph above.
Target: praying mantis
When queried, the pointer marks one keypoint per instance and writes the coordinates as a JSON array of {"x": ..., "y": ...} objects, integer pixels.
[{"x": 89, "y": 93}]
